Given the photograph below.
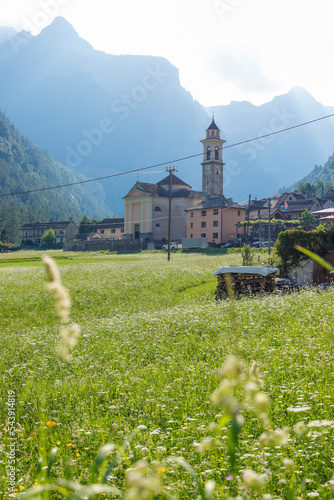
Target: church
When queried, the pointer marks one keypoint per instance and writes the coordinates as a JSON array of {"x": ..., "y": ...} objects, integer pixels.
[{"x": 194, "y": 214}]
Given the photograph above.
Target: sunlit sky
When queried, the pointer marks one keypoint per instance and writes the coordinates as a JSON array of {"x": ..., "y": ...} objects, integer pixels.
[{"x": 225, "y": 50}]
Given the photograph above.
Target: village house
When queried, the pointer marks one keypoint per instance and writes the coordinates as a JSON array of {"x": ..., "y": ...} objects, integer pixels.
[
  {"x": 94, "y": 235},
  {"x": 31, "y": 234},
  {"x": 111, "y": 229},
  {"x": 214, "y": 217},
  {"x": 288, "y": 206}
]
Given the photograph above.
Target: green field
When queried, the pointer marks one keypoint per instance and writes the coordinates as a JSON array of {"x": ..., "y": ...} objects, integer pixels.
[{"x": 152, "y": 342}]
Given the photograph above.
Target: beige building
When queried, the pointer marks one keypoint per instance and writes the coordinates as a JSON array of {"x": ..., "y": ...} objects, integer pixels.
[
  {"x": 32, "y": 233},
  {"x": 217, "y": 223},
  {"x": 215, "y": 217},
  {"x": 111, "y": 229},
  {"x": 146, "y": 209}
]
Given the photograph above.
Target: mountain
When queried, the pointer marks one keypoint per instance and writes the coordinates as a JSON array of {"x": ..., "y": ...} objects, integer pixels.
[
  {"x": 98, "y": 113},
  {"x": 24, "y": 167},
  {"x": 323, "y": 174},
  {"x": 102, "y": 114},
  {"x": 265, "y": 164}
]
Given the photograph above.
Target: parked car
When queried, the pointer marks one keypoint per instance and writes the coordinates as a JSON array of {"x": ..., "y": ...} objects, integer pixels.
[
  {"x": 257, "y": 244},
  {"x": 266, "y": 244},
  {"x": 173, "y": 246},
  {"x": 229, "y": 245}
]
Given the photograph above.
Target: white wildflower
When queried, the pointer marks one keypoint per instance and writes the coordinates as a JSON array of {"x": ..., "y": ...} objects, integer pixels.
[
  {"x": 141, "y": 483},
  {"x": 255, "y": 374},
  {"x": 298, "y": 409},
  {"x": 253, "y": 480},
  {"x": 281, "y": 436},
  {"x": 209, "y": 488},
  {"x": 266, "y": 440},
  {"x": 320, "y": 423},
  {"x": 251, "y": 390},
  {"x": 207, "y": 444},
  {"x": 261, "y": 401},
  {"x": 224, "y": 390},
  {"x": 231, "y": 368},
  {"x": 299, "y": 428},
  {"x": 288, "y": 464}
]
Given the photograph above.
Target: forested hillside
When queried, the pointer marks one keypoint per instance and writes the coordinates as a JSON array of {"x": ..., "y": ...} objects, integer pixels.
[
  {"x": 320, "y": 175},
  {"x": 25, "y": 167}
]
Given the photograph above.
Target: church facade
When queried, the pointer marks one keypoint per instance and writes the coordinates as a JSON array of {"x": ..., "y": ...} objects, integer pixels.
[{"x": 146, "y": 209}]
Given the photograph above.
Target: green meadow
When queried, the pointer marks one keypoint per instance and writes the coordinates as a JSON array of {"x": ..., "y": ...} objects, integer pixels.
[{"x": 141, "y": 378}]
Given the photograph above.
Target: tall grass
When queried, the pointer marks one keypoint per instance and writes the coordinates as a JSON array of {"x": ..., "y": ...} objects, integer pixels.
[{"x": 132, "y": 410}]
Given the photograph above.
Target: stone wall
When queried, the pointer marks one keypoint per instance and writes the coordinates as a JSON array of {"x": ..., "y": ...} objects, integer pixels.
[{"x": 100, "y": 244}]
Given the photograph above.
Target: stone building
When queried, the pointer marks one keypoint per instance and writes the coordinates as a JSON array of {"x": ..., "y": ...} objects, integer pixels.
[{"x": 32, "y": 233}]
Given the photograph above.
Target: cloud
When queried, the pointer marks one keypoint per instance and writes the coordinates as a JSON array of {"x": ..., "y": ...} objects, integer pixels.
[{"x": 242, "y": 69}]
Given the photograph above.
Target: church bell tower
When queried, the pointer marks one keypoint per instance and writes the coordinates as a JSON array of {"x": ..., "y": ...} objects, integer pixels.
[{"x": 212, "y": 166}]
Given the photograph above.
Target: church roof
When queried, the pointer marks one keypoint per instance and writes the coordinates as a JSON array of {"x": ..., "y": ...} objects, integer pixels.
[
  {"x": 158, "y": 189},
  {"x": 176, "y": 181},
  {"x": 213, "y": 125}
]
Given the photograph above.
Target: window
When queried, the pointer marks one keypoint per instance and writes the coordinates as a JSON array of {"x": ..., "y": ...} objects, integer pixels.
[
  {"x": 215, "y": 223},
  {"x": 157, "y": 225},
  {"x": 191, "y": 236},
  {"x": 157, "y": 209},
  {"x": 102, "y": 231},
  {"x": 213, "y": 133},
  {"x": 203, "y": 235},
  {"x": 61, "y": 232},
  {"x": 122, "y": 230},
  {"x": 238, "y": 213},
  {"x": 215, "y": 236},
  {"x": 203, "y": 213},
  {"x": 191, "y": 225},
  {"x": 215, "y": 212},
  {"x": 216, "y": 153},
  {"x": 192, "y": 214},
  {"x": 203, "y": 224},
  {"x": 113, "y": 231},
  {"x": 208, "y": 153}
]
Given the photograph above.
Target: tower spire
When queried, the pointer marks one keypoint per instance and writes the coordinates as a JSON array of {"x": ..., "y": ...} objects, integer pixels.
[{"x": 212, "y": 166}]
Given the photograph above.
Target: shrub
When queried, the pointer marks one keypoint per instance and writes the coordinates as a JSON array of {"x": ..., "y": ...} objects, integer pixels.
[
  {"x": 49, "y": 239},
  {"x": 247, "y": 254}
]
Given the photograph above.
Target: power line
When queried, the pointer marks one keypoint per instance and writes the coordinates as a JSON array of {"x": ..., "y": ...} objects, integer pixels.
[{"x": 96, "y": 179}]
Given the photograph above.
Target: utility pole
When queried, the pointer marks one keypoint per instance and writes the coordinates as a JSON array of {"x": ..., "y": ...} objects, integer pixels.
[
  {"x": 269, "y": 206},
  {"x": 170, "y": 170},
  {"x": 249, "y": 200}
]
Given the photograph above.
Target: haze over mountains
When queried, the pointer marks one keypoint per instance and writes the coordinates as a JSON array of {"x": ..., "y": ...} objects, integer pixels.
[{"x": 103, "y": 114}]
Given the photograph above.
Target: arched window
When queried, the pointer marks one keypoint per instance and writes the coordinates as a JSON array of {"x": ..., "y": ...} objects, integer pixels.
[
  {"x": 208, "y": 153},
  {"x": 216, "y": 153},
  {"x": 157, "y": 209},
  {"x": 157, "y": 225}
]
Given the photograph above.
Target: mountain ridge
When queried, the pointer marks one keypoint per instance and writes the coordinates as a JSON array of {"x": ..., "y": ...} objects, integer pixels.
[{"x": 101, "y": 114}]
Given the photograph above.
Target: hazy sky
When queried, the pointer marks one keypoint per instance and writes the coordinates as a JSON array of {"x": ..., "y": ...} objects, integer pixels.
[{"x": 225, "y": 49}]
